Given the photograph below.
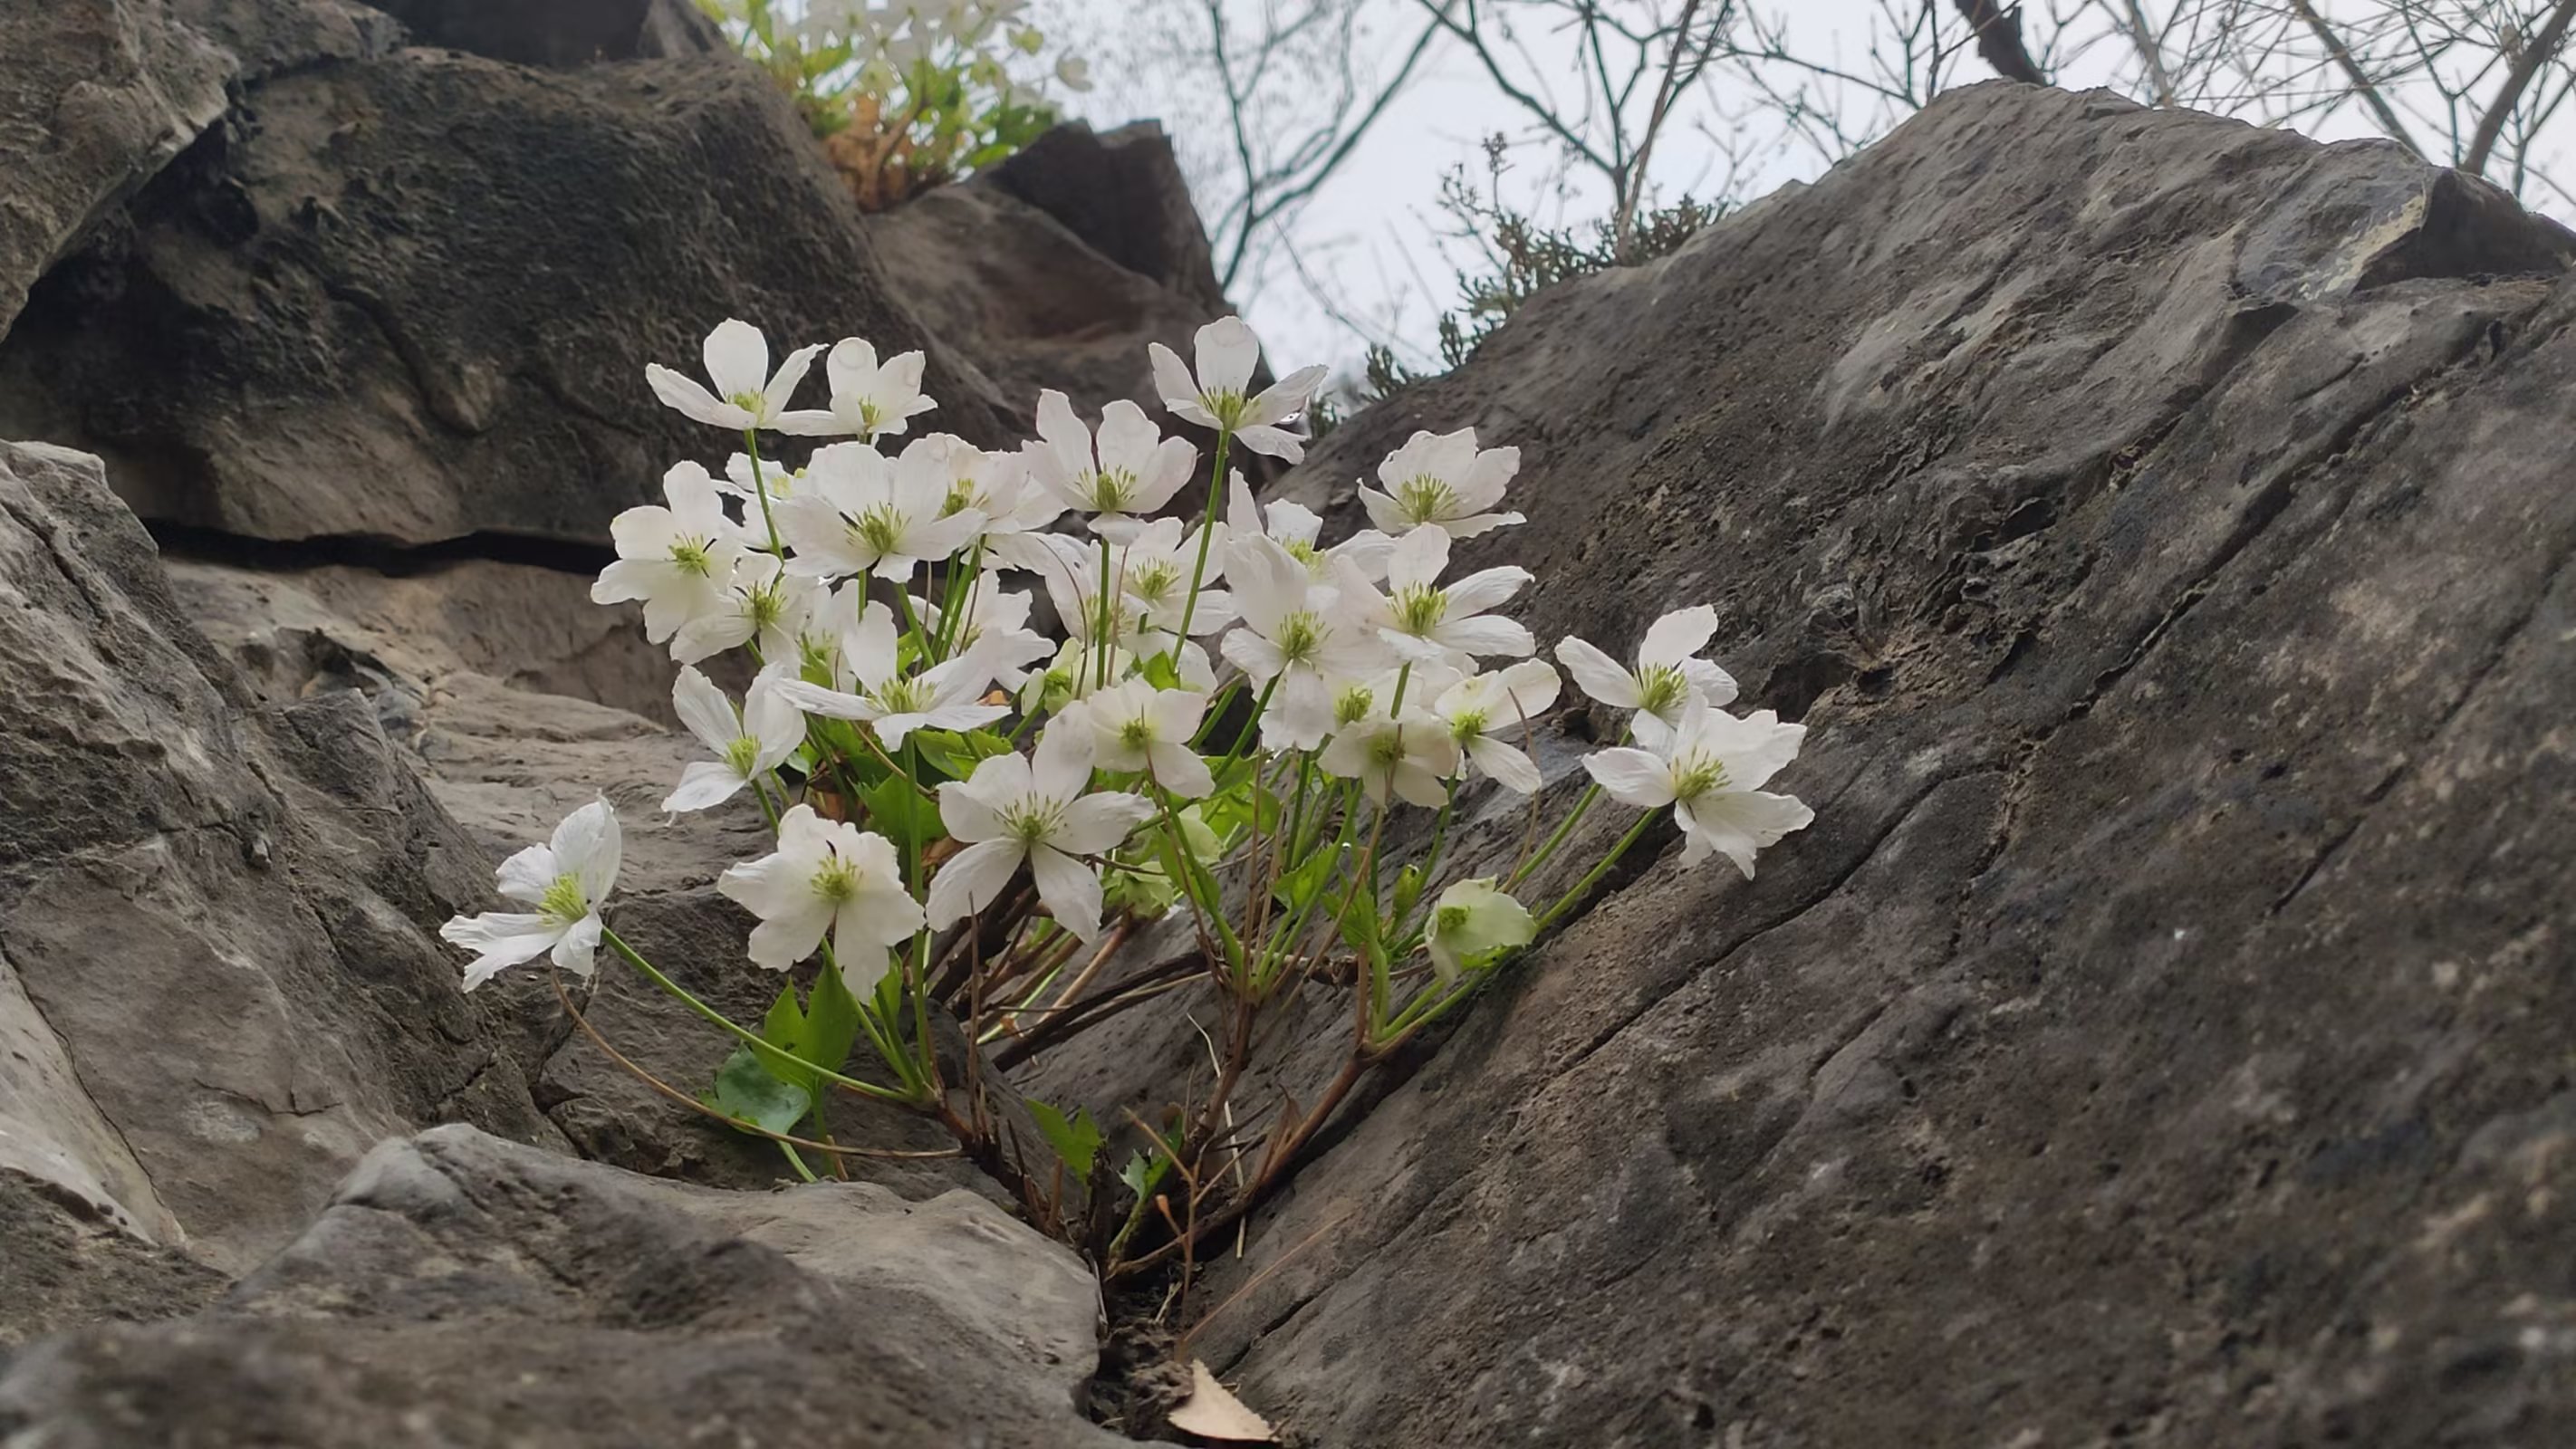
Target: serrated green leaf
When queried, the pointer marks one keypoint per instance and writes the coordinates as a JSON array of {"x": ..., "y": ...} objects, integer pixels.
[
  {"x": 1076, "y": 1141},
  {"x": 897, "y": 811}
]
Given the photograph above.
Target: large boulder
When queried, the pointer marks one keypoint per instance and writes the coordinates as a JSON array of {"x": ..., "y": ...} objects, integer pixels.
[
  {"x": 1058, "y": 267},
  {"x": 462, "y": 1290},
  {"x": 2161, "y": 1035},
  {"x": 409, "y": 297},
  {"x": 218, "y": 979}
]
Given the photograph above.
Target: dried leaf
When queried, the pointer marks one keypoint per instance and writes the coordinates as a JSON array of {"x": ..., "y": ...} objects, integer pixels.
[{"x": 1213, "y": 1412}]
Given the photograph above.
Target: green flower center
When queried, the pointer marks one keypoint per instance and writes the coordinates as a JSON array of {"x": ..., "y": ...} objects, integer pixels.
[
  {"x": 903, "y": 696},
  {"x": 1301, "y": 636},
  {"x": 1111, "y": 490},
  {"x": 691, "y": 555},
  {"x": 961, "y": 496},
  {"x": 1303, "y": 551},
  {"x": 1352, "y": 706},
  {"x": 563, "y": 902},
  {"x": 1426, "y": 499},
  {"x": 1419, "y": 608},
  {"x": 877, "y": 530},
  {"x": 1467, "y": 724},
  {"x": 765, "y": 605},
  {"x": 750, "y": 402},
  {"x": 1696, "y": 774},
  {"x": 1449, "y": 921},
  {"x": 1136, "y": 734},
  {"x": 1226, "y": 407},
  {"x": 1154, "y": 581},
  {"x": 742, "y": 754},
  {"x": 1032, "y": 821},
  {"x": 1387, "y": 750},
  {"x": 871, "y": 416},
  {"x": 1661, "y": 688},
  {"x": 837, "y": 880}
]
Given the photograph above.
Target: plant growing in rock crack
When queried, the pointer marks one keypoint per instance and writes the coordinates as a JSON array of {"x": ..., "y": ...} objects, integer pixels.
[
  {"x": 971, "y": 812},
  {"x": 905, "y": 94}
]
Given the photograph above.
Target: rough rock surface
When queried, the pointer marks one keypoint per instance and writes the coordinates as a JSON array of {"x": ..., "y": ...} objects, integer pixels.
[
  {"x": 1057, "y": 268},
  {"x": 218, "y": 985},
  {"x": 2161, "y": 1036},
  {"x": 463, "y": 1290},
  {"x": 347, "y": 313},
  {"x": 99, "y": 95}
]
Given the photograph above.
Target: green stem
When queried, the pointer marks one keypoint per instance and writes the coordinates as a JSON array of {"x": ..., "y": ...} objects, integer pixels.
[
  {"x": 771, "y": 1056},
  {"x": 1207, "y": 535},
  {"x": 1590, "y": 794},
  {"x": 1583, "y": 886},
  {"x": 760, "y": 486}
]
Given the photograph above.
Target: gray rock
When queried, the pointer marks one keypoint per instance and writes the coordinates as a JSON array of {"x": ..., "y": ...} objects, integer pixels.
[
  {"x": 1059, "y": 266},
  {"x": 2161, "y": 1036},
  {"x": 347, "y": 314},
  {"x": 560, "y": 33},
  {"x": 461, "y": 1290},
  {"x": 218, "y": 985},
  {"x": 97, "y": 97}
]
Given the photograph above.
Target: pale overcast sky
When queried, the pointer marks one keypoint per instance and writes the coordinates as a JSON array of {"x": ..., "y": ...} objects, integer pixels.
[{"x": 1370, "y": 245}]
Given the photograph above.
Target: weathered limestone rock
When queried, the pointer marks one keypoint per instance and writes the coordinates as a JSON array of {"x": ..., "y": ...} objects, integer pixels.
[
  {"x": 347, "y": 314},
  {"x": 461, "y": 1289},
  {"x": 2161, "y": 1036},
  {"x": 218, "y": 982}
]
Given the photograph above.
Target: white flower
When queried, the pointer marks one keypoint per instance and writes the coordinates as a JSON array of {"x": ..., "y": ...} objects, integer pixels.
[
  {"x": 747, "y": 745},
  {"x": 868, "y": 684},
  {"x": 996, "y": 621},
  {"x": 1220, "y": 395},
  {"x": 1482, "y": 709},
  {"x": 741, "y": 482},
  {"x": 1666, "y": 678},
  {"x": 858, "y": 513},
  {"x": 1075, "y": 72},
  {"x": 1013, "y": 809},
  {"x": 1424, "y": 621},
  {"x": 996, "y": 485},
  {"x": 1410, "y": 752},
  {"x": 761, "y": 604},
  {"x": 1441, "y": 479},
  {"x": 1470, "y": 921},
  {"x": 747, "y": 395},
  {"x": 1154, "y": 569},
  {"x": 1145, "y": 730},
  {"x": 1071, "y": 576},
  {"x": 677, "y": 560},
  {"x": 1711, "y": 773},
  {"x": 1299, "y": 633},
  {"x": 826, "y": 875},
  {"x": 869, "y": 398},
  {"x": 1295, "y": 527},
  {"x": 566, "y": 879},
  {"x": 1129, "y": 470}
]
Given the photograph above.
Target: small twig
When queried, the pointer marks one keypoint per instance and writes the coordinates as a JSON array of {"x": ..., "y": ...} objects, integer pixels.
[{"x": 2535, "y": 54}]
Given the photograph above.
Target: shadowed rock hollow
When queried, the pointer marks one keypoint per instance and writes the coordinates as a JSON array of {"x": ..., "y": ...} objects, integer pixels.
[{"x": 2162, "y": 1036}]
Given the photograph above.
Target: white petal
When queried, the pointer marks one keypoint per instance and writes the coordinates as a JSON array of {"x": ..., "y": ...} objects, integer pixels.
[
  {"x": 1510, "y": 768},
  {"x": 1227, "y": 354},
  {"x": 737, "y": 358},
  {"x": 589, "y": 846},
  {"x": 1632, "y": 776},
  {"x": 702, "y": 784},
  {"x": 1070, "y": 889},
  {"x": 1737, "y": 824},
  {"x": 691, "y": 399},
  {"x": 972, "y": 879},
  {"x": 1486, "y": 636},
  {"x": 1171, "y": 377},
  {"x": 1274, "y": 442},
  {"x": 500, "y": 939},
  {"x": 1598, "y": 675},
  {"x": 1098, "y": 824},
  {"x": 1486, "y": 589},
  {"x": 781, "y": 941},
  {"x": 1061, "y": 767},
  {"x": 578, "y": 951},
  {"x": 706, "y": 710},
  {"x": 525, "y": 875},
  {"x": 1677, "y": 636},
  {"x": 876, "y": 917}
]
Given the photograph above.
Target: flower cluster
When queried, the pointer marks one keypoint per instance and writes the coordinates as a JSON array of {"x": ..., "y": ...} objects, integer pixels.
[
  {"x": 971, "y": 668},
  {"x": 906, "y": 94}
]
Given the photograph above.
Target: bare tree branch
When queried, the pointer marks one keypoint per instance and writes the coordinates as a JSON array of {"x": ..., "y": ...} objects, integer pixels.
[{"x": 2535, "y": 54}]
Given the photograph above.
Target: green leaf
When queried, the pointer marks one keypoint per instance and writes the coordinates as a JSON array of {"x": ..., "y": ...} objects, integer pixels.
[
  {"x": 897, "y": 811},
  {"x": 831, "y": 1025},
  {"x": 747, "y": 1091},
  {"x": 1076, "y": 1141},
  {"x": 1144, "y": 1172},
  {"x": 1299, "y": 885},
  {"x": 1159, "y": 671},
  {"x": 785, "y": 1024}
]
